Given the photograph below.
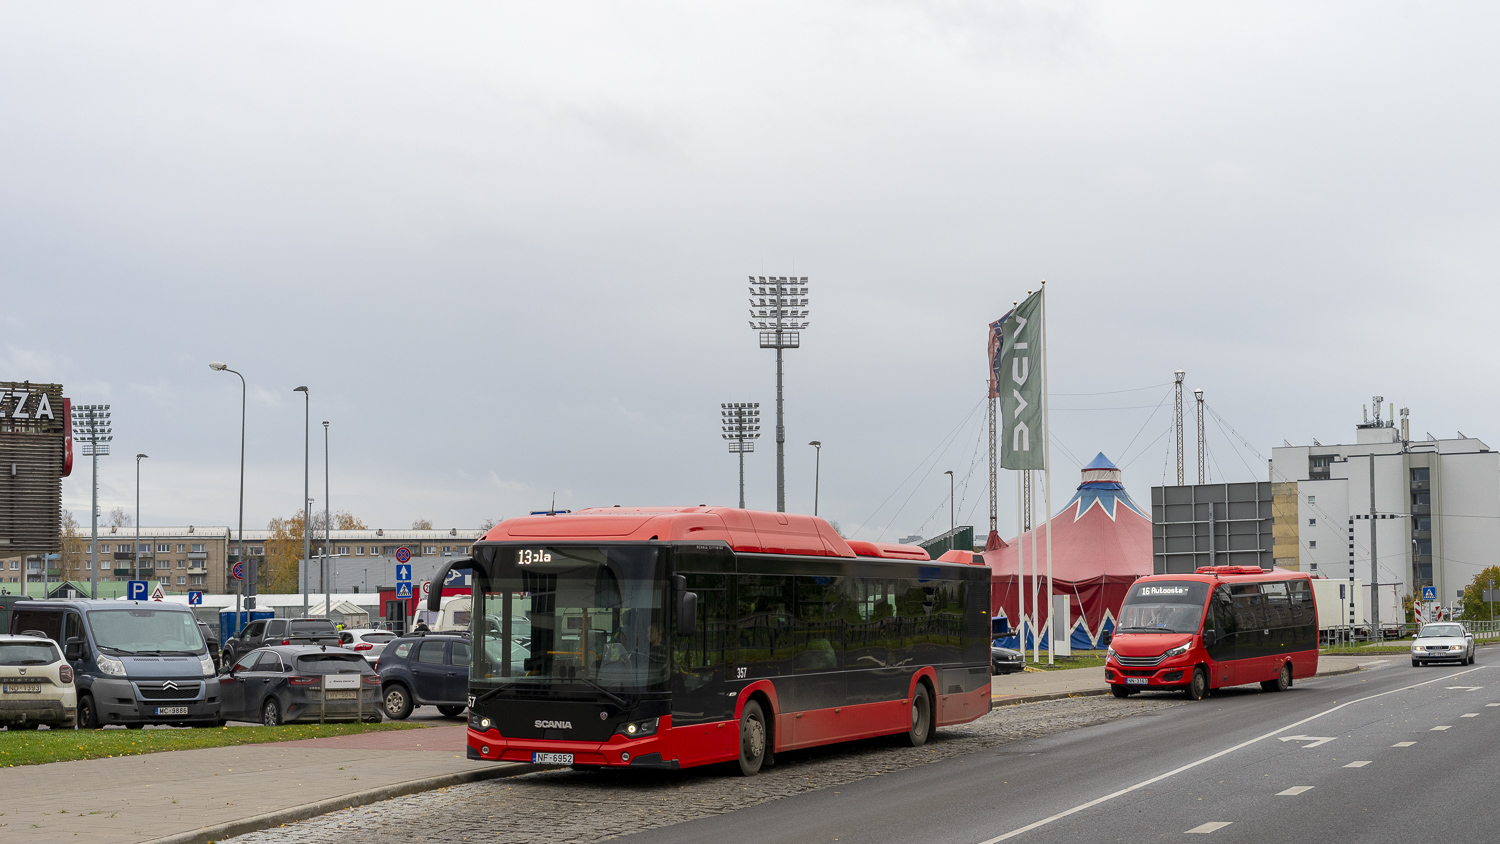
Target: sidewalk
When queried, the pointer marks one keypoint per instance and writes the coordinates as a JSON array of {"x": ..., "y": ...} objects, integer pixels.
[
  {"x": 191, "y": 795},
  {"x": 1026, "y": 687}
]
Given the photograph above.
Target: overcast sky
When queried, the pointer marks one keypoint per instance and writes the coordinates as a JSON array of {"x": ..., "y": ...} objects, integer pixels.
[{"x": 506, "y": 246}]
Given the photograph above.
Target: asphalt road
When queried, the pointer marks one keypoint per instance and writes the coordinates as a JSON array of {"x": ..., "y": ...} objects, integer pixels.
[{"x": 1217, "y": 767}]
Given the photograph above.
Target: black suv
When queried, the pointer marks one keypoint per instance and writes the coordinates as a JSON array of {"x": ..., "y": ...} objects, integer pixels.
[
  {"x": 270, "y": 632},
  {"x": 425, "y": 669}
]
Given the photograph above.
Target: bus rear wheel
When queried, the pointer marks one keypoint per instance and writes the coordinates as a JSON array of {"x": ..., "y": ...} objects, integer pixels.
[
  {"x": 1198, "y": 689},
  {"x": 921, "y": 717},
  {"x": 752, "y": 739}
]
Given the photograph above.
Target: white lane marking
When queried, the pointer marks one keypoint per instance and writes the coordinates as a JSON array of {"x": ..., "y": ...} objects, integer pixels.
[
  {"x": 1403, "y": 744},
  {"x": 1435, "y": 729},
  {"x": 1463, "y": 688},
  {"x": 1316, "y": 740},
  {"x": 1469, "y": 715},
  {"x": 1294, "y": 791},
  {"x": 1357, "y": 764},
  {"x": 1492, "y": 704},
  {"x": 1211, "y": 757},
  {"x": 1212, "y": 826}
]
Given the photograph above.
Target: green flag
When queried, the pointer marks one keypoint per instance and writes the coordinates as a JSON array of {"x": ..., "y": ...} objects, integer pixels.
[{"x": 1021, "y": 436}]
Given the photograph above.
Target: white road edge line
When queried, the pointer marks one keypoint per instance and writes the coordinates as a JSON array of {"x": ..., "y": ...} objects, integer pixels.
[
  {"x": 1226, "y": 751},
  {"x": 1211, "y": 826}
]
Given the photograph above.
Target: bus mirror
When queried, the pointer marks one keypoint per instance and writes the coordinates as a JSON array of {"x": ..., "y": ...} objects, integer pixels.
[
  {"x": 1209, "y": 637},
  {"x": 687, "y": 613}
]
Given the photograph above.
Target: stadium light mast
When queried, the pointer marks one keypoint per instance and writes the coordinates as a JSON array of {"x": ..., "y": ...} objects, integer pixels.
[
  {"x": 778, "y": 310},
  {"x": 741, "y": 424},
  {"x": 93, "y": 430}
]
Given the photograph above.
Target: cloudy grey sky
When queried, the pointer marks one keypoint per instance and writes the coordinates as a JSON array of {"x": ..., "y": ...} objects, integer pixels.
[{"x": 505, "y": 245}]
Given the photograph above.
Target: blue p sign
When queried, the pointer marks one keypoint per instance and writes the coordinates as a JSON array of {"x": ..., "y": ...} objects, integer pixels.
[{"x": 135, "y": 590}]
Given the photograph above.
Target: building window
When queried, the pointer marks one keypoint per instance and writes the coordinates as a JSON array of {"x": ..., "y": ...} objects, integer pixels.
[
  {"x": 344, "y": 550},
  {"x": 359, "y": 550},
  {"x": 389, "y": 550},
  {"x": 1312, "y": 522},
  {"x": 15, "y": 565},
  {"x": 198, "y": 548},
  {"x": 197, "y": 579},
  {"x": 1320, "y": 468},
  {"x": 182, "y": 564},
  {"x": 1312, "y": 543},
  {"x": 429, "y": 549},
  {"x": 1312, "y": 499},
  {"x": 257, "y": 551},
  {"x": 181, "y": 581},
  {"x": 1421, "y": 475},
  {"x": 163, "y": 548},
  {"x": 181, "y": 548}
]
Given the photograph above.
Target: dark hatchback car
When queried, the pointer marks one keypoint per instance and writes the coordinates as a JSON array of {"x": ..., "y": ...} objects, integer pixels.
[
  {"x": 1006, "y": 660},
  {"x": 287, "y": 683},
  {"x": 425, "y": 669}
]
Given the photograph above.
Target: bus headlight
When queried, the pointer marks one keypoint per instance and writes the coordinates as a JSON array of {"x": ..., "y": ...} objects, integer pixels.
[
  {"x": 638, "y": 729},
  {"x": 1177, "y": 651}
]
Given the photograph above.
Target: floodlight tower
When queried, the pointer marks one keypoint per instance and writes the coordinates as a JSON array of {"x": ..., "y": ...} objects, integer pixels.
[
  {"x": 1178, "y": 375},
  {"x": 93, "y": 430},
  {"x": 778, "y": 310},
  {"x": 1202, "y": 443},
  {"x": 741, "y": 424}
]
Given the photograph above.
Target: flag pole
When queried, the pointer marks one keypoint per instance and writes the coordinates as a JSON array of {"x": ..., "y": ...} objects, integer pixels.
[
  {"x": 1020, "y": 577},
  {"x": 1047, "y": 469},
  {"x": 1036, "y": 583}
]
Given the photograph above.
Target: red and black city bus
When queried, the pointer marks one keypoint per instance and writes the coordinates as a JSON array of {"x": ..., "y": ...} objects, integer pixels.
[
  {"x": 674, "y": 637},
  {"x": 1222, "y": 626}
]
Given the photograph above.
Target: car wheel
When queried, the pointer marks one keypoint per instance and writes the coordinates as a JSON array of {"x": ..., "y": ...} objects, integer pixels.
[
  {"x": 397, "y": 702},
  {"x": 1198, "y": 688},
  {"x": 1119, "y": 691},
  {"x": 270, "y": 713},
  {"x": 921, "y": 717},
  {"x": 752, "y": 739},
  {"x": 134, "y": 726},
  {"x": 451, "y": 711},
  {"x": 30, "y": 725},
  {"x": 1415, "y": 663},
  {"x": 88, "y": 715}
]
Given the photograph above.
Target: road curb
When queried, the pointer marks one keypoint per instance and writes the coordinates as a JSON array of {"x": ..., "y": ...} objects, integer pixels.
[
  {"x": 1338, "y": 672},
  {"x": 1012, "y": 701},
  {"x": 207, "y": 834}
]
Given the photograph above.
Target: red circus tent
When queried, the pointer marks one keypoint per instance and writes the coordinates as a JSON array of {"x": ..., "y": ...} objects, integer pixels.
[{"x": 1101, "y": 542}]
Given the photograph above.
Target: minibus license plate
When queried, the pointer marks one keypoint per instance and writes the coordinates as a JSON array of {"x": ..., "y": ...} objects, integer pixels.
[
  {"x": 171, "y": 710},
  {"x": 552, "y": 758},
  {"x": 1137, "y": 681}
]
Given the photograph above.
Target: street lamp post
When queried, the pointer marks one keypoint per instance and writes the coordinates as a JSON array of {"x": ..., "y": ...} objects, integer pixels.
[
  {"x": 327, "y": 524},
  {"x": 240, "y": 546},
  {"x": 741, "y": 424},
  {"x": 306, "y": 502},
  {"x": 817, "y": 470},
  {"x": 91, "y": 428},
  {"x": 778, "y": 310},
  {"x": 135, "y": 554},
  {"x": 952, "y": 517}
]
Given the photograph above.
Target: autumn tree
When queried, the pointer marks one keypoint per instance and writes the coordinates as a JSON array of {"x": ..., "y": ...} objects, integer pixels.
[
  {"x": 1475, "y": 607},
  {"x": 422, "y": 524},
  {"x": 74, "y": 543},
  {"x": 278, "y": 571},
  {"x": 119, "y": 518}
]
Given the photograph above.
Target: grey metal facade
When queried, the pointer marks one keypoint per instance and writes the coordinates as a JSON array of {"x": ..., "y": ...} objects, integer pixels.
[{"x": 1210, "y": 525}]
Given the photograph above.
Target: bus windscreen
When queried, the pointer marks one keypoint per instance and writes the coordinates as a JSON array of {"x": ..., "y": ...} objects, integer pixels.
[
  {"x": 1163, "y": 606},
  {"x": 572, "y": 616}
]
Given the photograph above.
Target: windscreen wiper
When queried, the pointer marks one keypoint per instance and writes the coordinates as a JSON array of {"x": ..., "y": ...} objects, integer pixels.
[
  {"x": 618, "y": 701},
  {"x": 492, "y": 692}
]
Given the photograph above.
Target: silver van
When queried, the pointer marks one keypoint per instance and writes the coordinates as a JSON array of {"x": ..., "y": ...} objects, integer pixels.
[{"x": 134, "y": 662}]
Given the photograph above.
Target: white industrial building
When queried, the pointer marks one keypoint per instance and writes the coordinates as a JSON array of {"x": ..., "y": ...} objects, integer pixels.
[{"x": 1436, "y": 511}]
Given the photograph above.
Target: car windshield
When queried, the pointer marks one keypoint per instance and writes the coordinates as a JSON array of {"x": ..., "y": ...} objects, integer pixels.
[
  {"x": 331, "y": 663},
  {"x": 570, "y": 616},
  {"x": 1163, "y": 606},
  {"x": 1434, "y": 631},
  {"x": 28, "y": 653},
  {"x": 146, "y": 631}
]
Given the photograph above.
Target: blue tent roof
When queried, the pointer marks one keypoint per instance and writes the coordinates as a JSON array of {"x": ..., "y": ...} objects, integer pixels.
[{"x": 1100, "y": 462}]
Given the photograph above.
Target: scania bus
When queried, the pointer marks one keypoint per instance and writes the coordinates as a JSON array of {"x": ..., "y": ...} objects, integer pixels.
[
  {"x": 674, "y": 637},
  {"x": 1222, "y": 626}
]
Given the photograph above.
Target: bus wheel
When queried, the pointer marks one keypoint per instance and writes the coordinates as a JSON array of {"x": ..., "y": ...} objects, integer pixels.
[
  {"x": 1282, "y": 682},
  {"x": 752, "y": 739},
  {"x": 921, "y": 717},
  {"x": 1198, "y": 689},
  {"x": 1120, "y": 691}
]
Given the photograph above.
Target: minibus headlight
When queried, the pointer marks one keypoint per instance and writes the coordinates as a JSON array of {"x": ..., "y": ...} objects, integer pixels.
[
  {"x": 1178, "y": 651},
  {"x": 112, "y": 667},
  {"x": 1110, "y": 654}
]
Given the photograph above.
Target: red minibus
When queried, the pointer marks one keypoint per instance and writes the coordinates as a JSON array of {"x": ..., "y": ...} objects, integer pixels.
[
  {"x": 1221, "y": 626},
  {"x": 675, "y": 637}
]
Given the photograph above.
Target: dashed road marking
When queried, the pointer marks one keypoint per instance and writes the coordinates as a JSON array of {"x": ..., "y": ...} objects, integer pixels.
[
  {"x": 1403, "y": 744},
  {"x": 1357, "y": 764},
  {"x": 1469, "y": 715},
  {"x": 1492, "y": 704},
  {"x": 1463, "y": 688},
  {"x": 1212, "y": 826},
  {"x": 1434, "y": 729},
  {"x": 1294, "y": 791}
]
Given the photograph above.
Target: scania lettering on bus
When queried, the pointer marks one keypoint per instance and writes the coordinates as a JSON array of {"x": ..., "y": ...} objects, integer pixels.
[
  {"x": 680, "y": 636},
  {"x": 1219, "y": 626}
]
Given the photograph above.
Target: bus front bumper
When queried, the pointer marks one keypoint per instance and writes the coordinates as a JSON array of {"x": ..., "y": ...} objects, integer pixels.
[{"x": 619, "y": 752}]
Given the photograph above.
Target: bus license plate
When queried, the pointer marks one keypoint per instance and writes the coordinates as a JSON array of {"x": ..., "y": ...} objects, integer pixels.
[
  {"x": 1137, "y": 681},
  {"x": 171, "y": 710},
  {"x": 552, "y": 758}
]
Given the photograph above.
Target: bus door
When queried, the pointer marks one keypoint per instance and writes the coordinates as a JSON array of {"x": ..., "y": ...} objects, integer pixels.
[{"x": 1220, "y": 620}]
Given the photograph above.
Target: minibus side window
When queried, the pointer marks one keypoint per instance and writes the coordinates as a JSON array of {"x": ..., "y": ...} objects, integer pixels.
[{"x": 1222, "y": 611}]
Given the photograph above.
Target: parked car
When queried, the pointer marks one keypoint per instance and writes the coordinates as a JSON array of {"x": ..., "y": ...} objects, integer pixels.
[
  {"x": 270, "y": 632},
  {"x": 36, "y": 684},
  {"x": 287, "y": 683},
  {"x": 213, "y": 644},
  {"x": 134, "y": 662},
  {"x": 1006, "y": 660},
  {"x": 430, "y": 669},
  {"x": 1443, "y": 642},
  {"x": 367, "y": 642}
]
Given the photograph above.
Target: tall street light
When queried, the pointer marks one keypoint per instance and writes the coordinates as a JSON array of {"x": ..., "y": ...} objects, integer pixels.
[
  {"x": 91, "y": 428},
  {"x": 240, "y": 546},
  {"x": 952, "y": 517},
  {"x": 327, "y": 524},
  {"x": 778, "y": 310},
  {"x": 135, "y": 557},
  {"x": 741, "y": 423},
  {"x": 817, "y": 470},
  {"x": 306, "y": 502}
]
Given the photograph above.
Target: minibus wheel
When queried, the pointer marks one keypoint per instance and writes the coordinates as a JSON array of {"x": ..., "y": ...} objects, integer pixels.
[
  {"x": 1198, "y": 688},
  {"x": 1120, "y": 691},
  {"x": 1282, "y": 682}
]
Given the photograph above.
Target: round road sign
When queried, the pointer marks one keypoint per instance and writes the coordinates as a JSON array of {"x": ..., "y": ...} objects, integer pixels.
[
  {"x": 403, "y": 554},
  {"x": 239, "y": 571},
  {"x": 426, "y": 587}
]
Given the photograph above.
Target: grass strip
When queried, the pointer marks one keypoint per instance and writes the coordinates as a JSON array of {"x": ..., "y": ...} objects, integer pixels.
[{"x": 38, "y": 747}]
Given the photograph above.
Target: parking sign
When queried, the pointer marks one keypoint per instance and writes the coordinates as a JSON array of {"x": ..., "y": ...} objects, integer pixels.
[{"x": 135, "y": 590}]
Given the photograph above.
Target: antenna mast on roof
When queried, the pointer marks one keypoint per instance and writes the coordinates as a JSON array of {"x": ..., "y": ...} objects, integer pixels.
[
  {"x": 1178, "y": 375},
  {"x": 1202, "y": 443}
]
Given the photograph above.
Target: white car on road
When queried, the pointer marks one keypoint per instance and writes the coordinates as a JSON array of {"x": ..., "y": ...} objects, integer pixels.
[
  {"x": 1443, "y": 642},
  {"x": 366, "y": 642},
  {"x": 36, "y": 684}
]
